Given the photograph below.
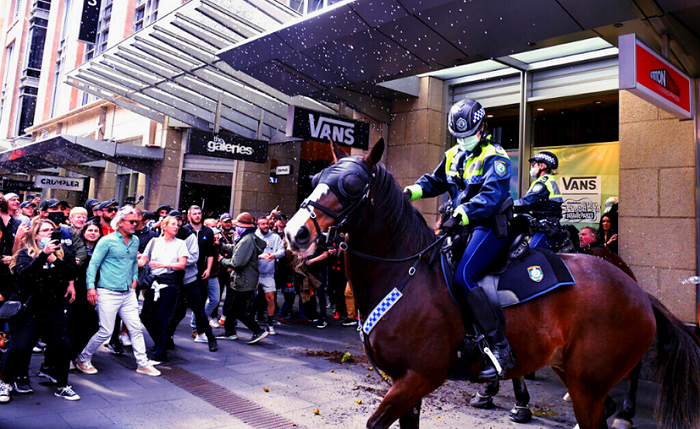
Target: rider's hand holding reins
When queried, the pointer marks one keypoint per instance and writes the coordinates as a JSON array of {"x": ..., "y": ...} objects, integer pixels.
[{"x": 458, "y": 218}]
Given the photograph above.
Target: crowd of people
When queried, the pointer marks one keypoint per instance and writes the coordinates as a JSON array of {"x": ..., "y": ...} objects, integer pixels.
[{"x": 80, "y": 273}]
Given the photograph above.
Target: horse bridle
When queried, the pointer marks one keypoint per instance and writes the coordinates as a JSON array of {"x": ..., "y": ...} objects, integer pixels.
[{"x": 351, "y": 200}]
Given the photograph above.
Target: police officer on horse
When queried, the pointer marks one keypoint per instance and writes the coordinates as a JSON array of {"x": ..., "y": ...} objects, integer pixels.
[
  {"x": 476, "y": 175},
  {"x": 543, "y": 203}
]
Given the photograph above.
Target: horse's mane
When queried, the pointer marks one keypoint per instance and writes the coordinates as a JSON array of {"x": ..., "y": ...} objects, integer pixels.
[{"x": 405, "y": 221}]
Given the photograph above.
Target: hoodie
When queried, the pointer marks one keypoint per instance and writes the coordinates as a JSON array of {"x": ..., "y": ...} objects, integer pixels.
[
  {"x": 274, "y": 246},
  {"x": 244, "y": 261}
]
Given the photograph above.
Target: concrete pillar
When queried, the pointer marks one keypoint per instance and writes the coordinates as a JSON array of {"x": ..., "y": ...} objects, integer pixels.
[
  {"x": 166, "y": 175},
  {"x": 416, "y": 140},
  {"x": 657, "y": 202}
]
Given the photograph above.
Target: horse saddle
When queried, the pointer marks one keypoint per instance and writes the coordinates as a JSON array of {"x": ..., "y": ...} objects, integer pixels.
[{"x": 518, "y": 274}]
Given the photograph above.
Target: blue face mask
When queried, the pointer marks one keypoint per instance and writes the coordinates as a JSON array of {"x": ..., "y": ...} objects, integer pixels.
[
  {"x": 44, "y": 241},
  {"x": 469, "y": 143}
]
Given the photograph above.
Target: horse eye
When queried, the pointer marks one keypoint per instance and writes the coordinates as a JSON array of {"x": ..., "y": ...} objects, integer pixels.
[{"x": 353, "y": 184}]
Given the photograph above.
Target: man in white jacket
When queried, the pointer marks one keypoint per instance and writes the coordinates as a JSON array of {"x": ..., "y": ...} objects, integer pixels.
[{"x": 274, "y": 250}]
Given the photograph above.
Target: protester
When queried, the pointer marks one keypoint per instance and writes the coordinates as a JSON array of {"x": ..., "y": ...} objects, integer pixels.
[
  {"x": 226, "y": 235},
  {"x": 167, "y": 258},
  {"x": 107, "y": 209},
  {"x": 274, "y": 250},
  {"x": 115, "y": 259},
  {"x": 44, "y": 268},
  {"x": 26, "y": 212},
  {"x": 244, "y": 263}
]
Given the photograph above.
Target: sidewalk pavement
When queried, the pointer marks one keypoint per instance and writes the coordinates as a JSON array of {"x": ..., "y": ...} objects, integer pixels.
[{"x": 271, "y": 384}]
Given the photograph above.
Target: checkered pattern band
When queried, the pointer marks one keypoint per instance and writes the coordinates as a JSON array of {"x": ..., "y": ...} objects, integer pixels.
[
  {"x": 380, "y": 310},
  {"x": 544, "y": 157},
  {"x": 478, "y": 115}
]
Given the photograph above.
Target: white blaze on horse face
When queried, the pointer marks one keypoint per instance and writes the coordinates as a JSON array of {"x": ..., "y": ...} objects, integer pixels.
[{"x": 303, "y": 215}]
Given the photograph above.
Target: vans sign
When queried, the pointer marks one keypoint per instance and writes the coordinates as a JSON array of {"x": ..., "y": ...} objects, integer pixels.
[
  {"x": 227, "y": 146},
  {"x": 312, "y": 125},
  {"x": 581, "y": 196}
]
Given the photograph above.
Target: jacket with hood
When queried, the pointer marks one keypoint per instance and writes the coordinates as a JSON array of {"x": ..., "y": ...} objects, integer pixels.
[
  {"x": 244, "y": 261},
  {"x": 193, "y": 248},
  {"x": 274, "y": 246}
]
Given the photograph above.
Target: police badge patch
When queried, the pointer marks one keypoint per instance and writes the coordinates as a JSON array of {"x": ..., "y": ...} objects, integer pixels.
[
  {"x": 501, "y": 168},
  {"x": 461, "y": 124},
  {"x": 535, "y": 273}
]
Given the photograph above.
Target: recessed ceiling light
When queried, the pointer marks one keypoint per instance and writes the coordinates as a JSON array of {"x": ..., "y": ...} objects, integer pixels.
[
  {"x": 489, "y": 116},
  {"x": 540, "y": 109},
  {"x": 598, "y": 102}
]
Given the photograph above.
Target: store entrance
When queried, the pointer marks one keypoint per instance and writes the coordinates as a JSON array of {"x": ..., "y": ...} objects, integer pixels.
[{"x": 214, "y": 200}]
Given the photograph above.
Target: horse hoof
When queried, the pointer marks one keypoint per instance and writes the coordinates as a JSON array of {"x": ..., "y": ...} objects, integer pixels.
[
  {"x": 482, "y": 402},
  {"x": 520, "y": 414},
  {"x": 622, "y": 424}
]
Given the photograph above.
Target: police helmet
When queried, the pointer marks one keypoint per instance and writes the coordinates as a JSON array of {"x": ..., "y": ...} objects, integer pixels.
[
  {"x": 547, "y": 158},
  {"x": 465, "y": 118}
]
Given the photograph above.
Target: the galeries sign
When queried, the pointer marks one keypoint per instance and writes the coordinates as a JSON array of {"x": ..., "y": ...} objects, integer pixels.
[
  {"x": 56, "y": 182},
  {"x": 311, "y": 125},
  {"x": 227, "y": 146}
]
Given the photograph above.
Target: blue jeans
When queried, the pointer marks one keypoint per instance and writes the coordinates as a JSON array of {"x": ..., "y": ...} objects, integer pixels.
[
  {"x": 213, "y": 296},
  {"x": 480, "y": 252}
]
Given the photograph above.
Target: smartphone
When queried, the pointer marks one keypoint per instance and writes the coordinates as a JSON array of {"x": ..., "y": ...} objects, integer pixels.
[{"x": 56, "y": 235}]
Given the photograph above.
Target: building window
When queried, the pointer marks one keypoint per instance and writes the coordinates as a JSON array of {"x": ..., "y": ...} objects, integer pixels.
[
  {"x": 26, "y": 108},
  {"x": 145, "y": 13},
  {"x": 35, "y": 47},
  {"x": 9, "y": 63},
  {"x": 18, "y": 6},
  {"x": 103, "y": 26}
]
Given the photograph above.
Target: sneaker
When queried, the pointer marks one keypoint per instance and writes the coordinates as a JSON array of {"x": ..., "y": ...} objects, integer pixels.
[
  {"x": 44, "y": 372},
  {"x": 271, "y": 330},
  {"x": 201, "y": 338},
  {"x": 4, "y": 392},
  {"x": 321, "y": 324},
  {"x": 38, "y": 349},
  {"x": 222, "y": 320},
  {"x": 116, "y": 348},
  {"x": 148, "y": 370},
  {"x": 85, "y": 367},
  {"x": 215, "y": 323},
  {"x": 227, "y": 336},
  {"x": 125, "y": 339},
  {"x": 283, "y": 319},
  {"x": 257, "y": 337},
  {"x": 67, "y": 393},
  {"x": 349, "y": 322},
  {"x": 41, "y": 344},
  {"x": 21, "y": 385}
]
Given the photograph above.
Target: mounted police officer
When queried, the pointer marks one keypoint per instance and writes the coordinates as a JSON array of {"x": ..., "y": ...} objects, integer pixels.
[
  {"x": 543, "y": 202},
  {"x": 476, "y": 175}
]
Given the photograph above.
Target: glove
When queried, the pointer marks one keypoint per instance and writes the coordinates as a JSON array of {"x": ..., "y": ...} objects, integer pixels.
[
  {"x": 450, "y": 225},
  {"x": 414, "y": 192},
  {"x": 461, "y": 215}
]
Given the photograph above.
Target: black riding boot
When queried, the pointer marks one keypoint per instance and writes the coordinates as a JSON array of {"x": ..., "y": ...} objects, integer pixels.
[{"x": 489, "y": 320}]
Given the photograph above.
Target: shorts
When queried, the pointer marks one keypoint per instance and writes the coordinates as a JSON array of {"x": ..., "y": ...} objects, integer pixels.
[{"x": 267, "y": 284}]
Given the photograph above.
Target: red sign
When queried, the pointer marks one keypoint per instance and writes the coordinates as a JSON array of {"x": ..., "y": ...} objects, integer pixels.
[{"x": 653, "y": 78}]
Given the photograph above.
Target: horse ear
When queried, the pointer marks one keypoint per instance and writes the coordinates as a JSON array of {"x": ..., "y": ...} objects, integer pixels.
[
  {"x": 375, "y": 154},
  {"x": 338, "y": 152}
]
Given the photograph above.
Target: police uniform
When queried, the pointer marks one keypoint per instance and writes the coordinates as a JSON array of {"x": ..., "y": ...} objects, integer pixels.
[
  {"x": 478, "y": 183},
  {"x": 542, "y": 200}
]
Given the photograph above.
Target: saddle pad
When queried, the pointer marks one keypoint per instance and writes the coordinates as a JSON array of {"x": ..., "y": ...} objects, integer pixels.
[
  {"x": 535, "y": 274},
  {"x": 539, "y": 272}
]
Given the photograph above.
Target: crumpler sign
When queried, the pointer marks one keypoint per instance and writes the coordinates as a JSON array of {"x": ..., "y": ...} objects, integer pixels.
[
  {"x": 650, "y": 76},
  {"x": 227, "y": 146},
  {"x": 55, "y": 182},
  {"x": 312, "y": 125},
  {"x": 89, "y": 20}
]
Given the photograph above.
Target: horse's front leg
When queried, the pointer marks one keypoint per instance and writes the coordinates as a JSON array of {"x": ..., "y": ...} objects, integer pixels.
[
  {"x": 484, "y": 397},
  {"x": 399, "y": 402},
  {"x": 411, "y": 420}
]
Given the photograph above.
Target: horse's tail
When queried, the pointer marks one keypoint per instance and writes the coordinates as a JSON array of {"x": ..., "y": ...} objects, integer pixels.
[{"x": 678, "y": 365}]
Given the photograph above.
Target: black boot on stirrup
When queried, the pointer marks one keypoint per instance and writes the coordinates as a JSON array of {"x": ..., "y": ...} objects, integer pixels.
[{"x": 488, "y": 319}]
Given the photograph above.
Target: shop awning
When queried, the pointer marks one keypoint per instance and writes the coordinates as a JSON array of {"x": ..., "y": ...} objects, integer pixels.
[
  {"x": 75, "y": 154},
  {"x": 357, "y": 44},
  {"x": 171, "y": 68}
]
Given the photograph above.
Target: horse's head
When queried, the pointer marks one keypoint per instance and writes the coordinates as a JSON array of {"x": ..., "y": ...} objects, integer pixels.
[{"x": 339, "y": 191}]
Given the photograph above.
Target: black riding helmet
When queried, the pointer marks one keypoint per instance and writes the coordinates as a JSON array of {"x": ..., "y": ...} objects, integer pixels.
[
  {"x": 465, "y": 118},
  {"x": 547, "y": 158},
  {"x": 348, "y": 179}
]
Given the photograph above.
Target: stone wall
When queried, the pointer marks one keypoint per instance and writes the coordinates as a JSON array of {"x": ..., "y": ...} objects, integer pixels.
[
  {"x": 416, "y": 141},
  {"x": 657, "y": 203}
]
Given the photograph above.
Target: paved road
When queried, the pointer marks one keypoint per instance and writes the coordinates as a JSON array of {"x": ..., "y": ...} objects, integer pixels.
[{"x": 273, "y": 384}]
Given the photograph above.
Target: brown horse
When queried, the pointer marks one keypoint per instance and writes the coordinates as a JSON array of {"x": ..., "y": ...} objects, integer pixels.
[{"x": 591, "y": 334}]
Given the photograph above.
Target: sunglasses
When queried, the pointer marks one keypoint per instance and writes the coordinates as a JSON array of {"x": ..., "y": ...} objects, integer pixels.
[
  {"x": 133, "y": 222},
  {"x": 111, "y": 210}
]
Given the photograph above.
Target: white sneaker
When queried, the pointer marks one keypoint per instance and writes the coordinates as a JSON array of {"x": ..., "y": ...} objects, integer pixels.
[
  {"x": 125, "y": 339},
  {"x": 5, "y": 392},
  {"x": 85, "y": 367},
  {"x": 201, "y": 338},
  {"x": 271, "y": 330},
  {"x": 214, "y": 323},
  {"x": 148, "y": 370}
]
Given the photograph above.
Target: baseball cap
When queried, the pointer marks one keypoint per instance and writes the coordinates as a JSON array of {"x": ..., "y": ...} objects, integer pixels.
[
  {"x": 47, "y": 204},
  {"x": 175, "y": 213},
  {"x": 26, "y": 204},
  {"x": 10, "y": 196},
  {"x": 225, "y": 216},
  {"x": 104, "y": 204}
]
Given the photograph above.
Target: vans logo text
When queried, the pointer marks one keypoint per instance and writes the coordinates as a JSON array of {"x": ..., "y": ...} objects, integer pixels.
[
  {"x": 580, "y": 185},
  {"x": 332, "y": 129}
]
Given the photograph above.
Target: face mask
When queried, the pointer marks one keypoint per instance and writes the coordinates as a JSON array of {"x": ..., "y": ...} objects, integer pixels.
[
  {"x": 534, "y": 171},
  {"x": 57, "y": 217},
  {"x": 240, "y": 230},
  {"x": 44, "y": 241},
  {"x": 468, "y": 143}
]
